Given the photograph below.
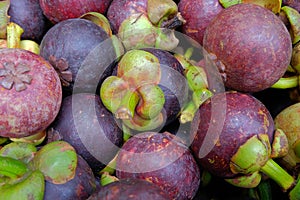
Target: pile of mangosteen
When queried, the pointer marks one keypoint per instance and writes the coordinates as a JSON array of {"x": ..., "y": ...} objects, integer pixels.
[{"x": 149, "y": 99}]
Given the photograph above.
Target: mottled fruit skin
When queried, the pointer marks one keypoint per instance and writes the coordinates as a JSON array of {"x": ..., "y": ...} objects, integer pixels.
[
  {"x": 119, "y": 10},
  {"x": 29, "y": 15},
  {"x": 198, "y": 15},
  {"x": 250, "y": 45},
  {"x": 133, "y": 189},
  {"x": 80, "y": 187},
  {"x": 89, "y": 127},
  {"x": 33, "y": 109},
  {"x": 59, "y": 10},
  {"x": 162, "y": 159},
  {"x": 222, "y": 124},
  {"x": 66, "y": 46}
]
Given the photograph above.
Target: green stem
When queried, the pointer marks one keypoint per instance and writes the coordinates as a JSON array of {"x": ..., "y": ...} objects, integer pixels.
[
  {"x": 188, "y": 113},
  {"x": 199, "y": 97},
  {"x": 285, "y": 83},
  {"x": 278, "y": 174}
]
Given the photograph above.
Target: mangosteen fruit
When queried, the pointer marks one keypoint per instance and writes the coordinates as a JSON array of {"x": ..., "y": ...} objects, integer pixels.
[
  {"x": 80, "y": 187},
  {"x": 31, "y": 93},
  {"x": 129, "y": 188},
  {"x": 160, "y": 158},
  {"x": 29, "y": 15},
  {"x": 67, "y": 46},
  {"x": 250, "y": 45},
  {"x": 59, "y": 10},
  {"x": 198, "y": 15},
  {"x": 232, "y": 136},
  {"x": 89, "y": 127}
]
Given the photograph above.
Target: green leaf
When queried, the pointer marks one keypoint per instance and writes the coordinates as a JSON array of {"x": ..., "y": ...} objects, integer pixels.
[{"x": 57, "y": 161}]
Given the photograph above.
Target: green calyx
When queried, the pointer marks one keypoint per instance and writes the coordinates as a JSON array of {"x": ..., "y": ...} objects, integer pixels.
[
  {"x": 152, "y": 101},
  {"x": 246, "y": 181},
  {"x": 293, "y": 17},
  {"x": 35, "y": 139},
  {"x": 254, "y": 155},
  {"x": 32, "y": 186},
  {"x": 57, "y": 161},
  {"x": 139, "y": 124},
  {"x": 137, "y": 32},
  {"x": 12, "y": 168},
  {"x": 160, "y": 9},
  {"x": 154, "y": 29},
  {"x": 280, "y": 144},
  {"x": 138, "y": 67},
  {"x": 251, "y": 156},
  {"x": 133, "y": 95},
  {"x": 19, "y": 150}
]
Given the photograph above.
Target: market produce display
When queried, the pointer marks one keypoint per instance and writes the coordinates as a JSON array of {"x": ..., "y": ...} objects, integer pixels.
[{"x": 149, "y": 99}]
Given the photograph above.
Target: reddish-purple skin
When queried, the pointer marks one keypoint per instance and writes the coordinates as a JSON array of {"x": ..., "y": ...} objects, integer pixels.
[
  {"x": 132, "y": 189},
  {"x": 198, "y": 15},
  {"x": 251, "y": 45},
  {"x": 162, "y": 159},
  {"x": 80, "y": 187},
  {"x": 59, "y": 10},
  {"x": 29, "y": 15},
  {"x": 119, "y": 10},
  {"x": 242, "y": 116},
  {"x": 32, "y": 110}
]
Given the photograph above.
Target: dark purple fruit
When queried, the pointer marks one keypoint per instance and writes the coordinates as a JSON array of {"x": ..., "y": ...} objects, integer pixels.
[
  {"x": 89, "y": 127},
  {"x": 29, "y": 15},
  {"x": 30, "y": 93},
  {"x": 80, "y": 187},
  {"x": 160, "y": 158},
  {"x": 59, "y": 10},
  {"x": 250, "y": 45},
  {"x": 133, "y": 189},
  {"x": 198, "y": 15},
  {"x": 67, "y": 45},
  {"x": 224, "y": 123}
]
